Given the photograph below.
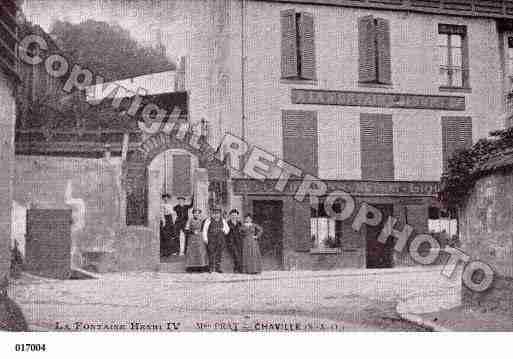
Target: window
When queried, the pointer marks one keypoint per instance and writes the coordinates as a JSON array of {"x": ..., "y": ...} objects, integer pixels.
[
  {"x": 508, "y": 121},
  {"x": 297, "y": 45},
  {"x": 456, "y": 135},
  {"x": 509, "y": 58},
  {"x": 443, "y": 226},
  {"x": 300, "y": 140},
  {"x": 326, "y": 232},
  {"x": 374, "y": 51},
  {"x": 452, "y": 50},
  {"x": 377, "y": 146}
]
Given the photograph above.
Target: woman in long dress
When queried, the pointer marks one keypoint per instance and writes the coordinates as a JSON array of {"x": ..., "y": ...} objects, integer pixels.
[
  {"x": 168, "y": 243},
  {"x": 196, "y": 255},
  {"x": 251, "y": 257}
]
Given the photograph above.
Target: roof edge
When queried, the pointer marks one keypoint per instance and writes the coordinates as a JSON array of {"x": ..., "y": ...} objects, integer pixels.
[{"x": 500, "y": 9}]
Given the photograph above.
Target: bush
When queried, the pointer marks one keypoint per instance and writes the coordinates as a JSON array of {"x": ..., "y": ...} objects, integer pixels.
[{"x": 464, "y": 166}]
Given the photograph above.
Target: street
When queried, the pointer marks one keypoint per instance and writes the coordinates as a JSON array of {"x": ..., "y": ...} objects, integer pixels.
[{"x": 273, "y": 301}]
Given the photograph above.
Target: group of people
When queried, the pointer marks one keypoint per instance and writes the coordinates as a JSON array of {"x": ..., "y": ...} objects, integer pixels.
[
  {"x": 172, "y": 225},
  {"x": 206, "y": 239}
]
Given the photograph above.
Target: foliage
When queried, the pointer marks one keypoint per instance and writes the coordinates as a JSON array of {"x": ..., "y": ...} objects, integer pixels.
[
  {"x": 463, "y": 167},
  {"x": 108, "y": 50}
]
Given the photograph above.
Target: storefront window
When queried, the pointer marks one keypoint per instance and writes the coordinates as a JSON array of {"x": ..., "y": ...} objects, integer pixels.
[
  {"x": 326, "y": 232},
  {"x": 443, "y": 226}
]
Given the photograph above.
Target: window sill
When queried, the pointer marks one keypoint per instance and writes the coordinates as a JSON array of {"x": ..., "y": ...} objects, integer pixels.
[
  {"x": 326, "y": 251},
  {"x": 299, "y": 81},
  {"x": 455, "y": 89},
  {"x": 375, "y": 85}
]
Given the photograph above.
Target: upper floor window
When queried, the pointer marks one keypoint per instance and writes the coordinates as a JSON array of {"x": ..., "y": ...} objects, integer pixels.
[
  {"x": 297, "y": 45},
  {"x": 300, "y": 140},
  {"x": 453, "y": 54},
  {"x": 509, "y": 56},
  {"x": 509, "y": 63},
  {"x": 456, "y": 136},
  {"x": 374, "y": 51},
  {"x": 377, "y": 147}
]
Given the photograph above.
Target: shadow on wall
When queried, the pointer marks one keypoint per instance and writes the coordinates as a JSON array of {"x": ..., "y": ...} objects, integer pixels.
[{"x": 92, "y": 189}]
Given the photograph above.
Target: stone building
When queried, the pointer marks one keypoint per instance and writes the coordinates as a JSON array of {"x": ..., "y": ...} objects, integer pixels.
[
  {"x": 8, "y": 80},
  {"x": 486, "y": 225},
  {"x": 369, "y": 97}
]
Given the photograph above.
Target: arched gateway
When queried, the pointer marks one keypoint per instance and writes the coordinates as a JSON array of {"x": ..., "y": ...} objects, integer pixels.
[{"x": 139, "y": 160}]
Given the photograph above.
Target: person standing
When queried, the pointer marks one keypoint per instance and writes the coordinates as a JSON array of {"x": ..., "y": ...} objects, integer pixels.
[
  {"x": 215, "y": 229},
  {"x": 168, "y": 242},
  {"x": 251, "y": 257},
  {"x": 196, "y": 256},
  {"x": 233, "y": 240},
  {"x": 182, "y": 216}
]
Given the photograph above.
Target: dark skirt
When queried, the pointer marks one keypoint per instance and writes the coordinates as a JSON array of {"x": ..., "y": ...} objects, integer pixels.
[
  {"x": 168, "y": 239},
  {"x": 196, "y": 255},
  {"x": 251, "y": 257}
]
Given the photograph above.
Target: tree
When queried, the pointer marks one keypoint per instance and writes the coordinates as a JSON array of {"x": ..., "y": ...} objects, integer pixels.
[
  {"x": 465, "y": 166},
  {"x": 108, "y": 50}
]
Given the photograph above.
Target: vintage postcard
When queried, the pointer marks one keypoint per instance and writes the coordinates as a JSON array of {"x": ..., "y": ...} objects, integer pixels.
[{"x": 267, "y": 166}]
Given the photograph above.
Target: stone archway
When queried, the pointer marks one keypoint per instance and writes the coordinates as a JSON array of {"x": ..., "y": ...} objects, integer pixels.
[{"x": 138, "y": 161}]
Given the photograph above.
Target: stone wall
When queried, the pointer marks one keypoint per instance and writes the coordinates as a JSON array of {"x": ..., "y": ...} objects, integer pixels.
[
  {"x": 7, "y": 119},
  {"x": 498, "y": 299},
  {"x": 92, "y": 189},
  {"x": 486, "y": 232}
]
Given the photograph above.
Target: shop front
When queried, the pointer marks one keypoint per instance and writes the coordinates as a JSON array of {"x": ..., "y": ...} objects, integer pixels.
[{"x": 302, "y": 236}]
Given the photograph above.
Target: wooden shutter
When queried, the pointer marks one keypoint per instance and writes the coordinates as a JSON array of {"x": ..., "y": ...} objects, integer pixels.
[
  {"x": 417, "y": 217},
  {"x": 367, "y": 49},
  {"x": 289, "y": 64},
  {"x": 377, "y": 146},
  {"x": 456, "y": 135},
  {"x": 300, "y": 140},
  {"x": 182, "y": 175},
  {"x": 302, "y": 226},
  {"x": 383, "y": 51},
  {"x": 307, "y": 46}
]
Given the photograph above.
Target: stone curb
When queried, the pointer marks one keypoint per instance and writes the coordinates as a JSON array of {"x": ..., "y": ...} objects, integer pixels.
[{"x": 425, "y": 323}]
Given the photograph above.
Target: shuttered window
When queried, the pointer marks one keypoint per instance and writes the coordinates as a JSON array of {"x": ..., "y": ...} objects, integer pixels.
[
  {"x": 300, "y": 140},
  {"x": 374, "y": 50},
  {"x": 297, "y": 45},
  {"x": 377, "y": 146},
  {"x": 456, "y": 135},
  {"x": 182, "y": 175}
]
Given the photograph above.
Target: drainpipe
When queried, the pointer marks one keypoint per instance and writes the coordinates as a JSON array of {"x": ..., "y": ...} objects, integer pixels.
[
  {"x": 243, "y": 68},
  {"x": 243, "y": 86}
]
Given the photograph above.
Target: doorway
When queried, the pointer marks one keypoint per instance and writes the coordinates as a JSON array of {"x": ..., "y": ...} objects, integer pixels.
[
  {"x": 380, "y": 255},
  {"x": 269, "y": 215},
  {"x": 171, "y": 173}
]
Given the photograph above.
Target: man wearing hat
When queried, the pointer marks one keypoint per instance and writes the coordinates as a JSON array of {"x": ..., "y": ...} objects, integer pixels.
[
  {"x": 215, "y": 229},
  {"x": 182, "y": 216},
  {"x": 233, "y": 240},
  {"x": 196, "y": 258}
]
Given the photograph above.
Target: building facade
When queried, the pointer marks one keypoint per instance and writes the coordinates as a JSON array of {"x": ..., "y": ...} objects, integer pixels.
[
  {"x": 369, "y": 97},
  {"x": 8, "y": 80},
  {"x": 372, "y": 98}
]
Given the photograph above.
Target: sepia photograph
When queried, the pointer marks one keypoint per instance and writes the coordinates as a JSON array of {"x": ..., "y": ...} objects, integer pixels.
[{"x": 255, "y": 166}]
